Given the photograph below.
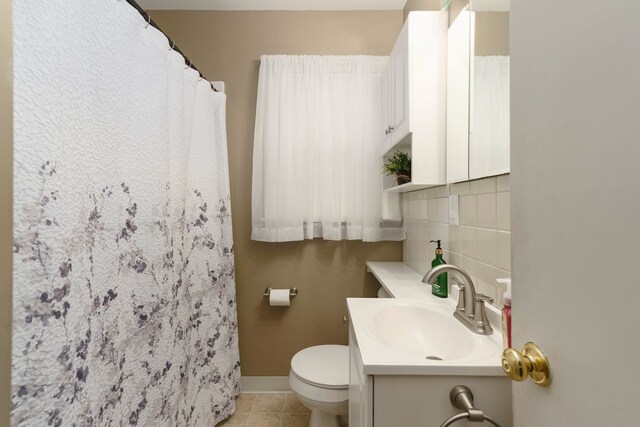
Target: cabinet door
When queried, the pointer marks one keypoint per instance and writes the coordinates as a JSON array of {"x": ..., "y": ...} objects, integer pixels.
[
  {"x": 360, "y": 391},
  {"x": 489, "y": 143},
  {"x": 400, "y": 86},
  {"x": 387, "y": 107},
  {"x": 458, "y": 51}
]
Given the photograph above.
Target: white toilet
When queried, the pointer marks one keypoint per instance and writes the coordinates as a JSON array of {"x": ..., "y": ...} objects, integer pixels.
[{"x": 319, "y": 377}]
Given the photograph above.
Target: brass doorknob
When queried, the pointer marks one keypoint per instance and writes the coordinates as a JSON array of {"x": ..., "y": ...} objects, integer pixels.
[{"x": 531, "y": 362}]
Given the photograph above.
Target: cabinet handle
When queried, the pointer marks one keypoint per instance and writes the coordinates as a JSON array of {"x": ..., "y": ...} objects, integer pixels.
[{"x": 387, "y": 131}]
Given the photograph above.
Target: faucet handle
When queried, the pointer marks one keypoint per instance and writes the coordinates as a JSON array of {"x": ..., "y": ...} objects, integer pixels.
[
  {"x": 480, "y": 315},
  {"x": 484, "y": 298},
  {"x": 462, "y": 295}
]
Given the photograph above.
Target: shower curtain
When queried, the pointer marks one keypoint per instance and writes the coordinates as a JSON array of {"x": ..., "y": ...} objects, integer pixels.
[{"x": 124, "y": 308}]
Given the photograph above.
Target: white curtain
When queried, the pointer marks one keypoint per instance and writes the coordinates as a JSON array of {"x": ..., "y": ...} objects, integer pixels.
[
  {"x": 124, "y": 308},
  {"x": 316, "y": 158},
  {"x": 489, "y": 127}
]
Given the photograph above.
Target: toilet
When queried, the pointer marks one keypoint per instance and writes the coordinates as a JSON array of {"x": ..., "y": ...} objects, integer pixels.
[{"x": 319, "y": 377}]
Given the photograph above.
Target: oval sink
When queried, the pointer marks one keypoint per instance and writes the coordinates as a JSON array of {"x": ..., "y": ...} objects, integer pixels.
[{"x": 430, "y": 332}]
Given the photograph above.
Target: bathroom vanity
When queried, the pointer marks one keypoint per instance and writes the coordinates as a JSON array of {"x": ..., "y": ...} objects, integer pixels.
[{"x": 408, "y": 352}]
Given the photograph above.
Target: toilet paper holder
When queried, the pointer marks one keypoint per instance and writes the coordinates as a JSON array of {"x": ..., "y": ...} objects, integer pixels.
[{"x": 292, "y": 292}]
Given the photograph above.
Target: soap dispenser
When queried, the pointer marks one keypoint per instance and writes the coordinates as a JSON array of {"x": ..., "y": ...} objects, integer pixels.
[
  {"x": 506, "y": 313},
  {"x": 439, "y": 288}
]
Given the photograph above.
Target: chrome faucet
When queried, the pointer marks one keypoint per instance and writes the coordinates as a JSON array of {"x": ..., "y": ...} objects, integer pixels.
[{"x": 470, "y": 311}]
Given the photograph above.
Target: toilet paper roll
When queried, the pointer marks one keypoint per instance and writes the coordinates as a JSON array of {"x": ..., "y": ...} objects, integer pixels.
[{"x": 279, "y": 297}]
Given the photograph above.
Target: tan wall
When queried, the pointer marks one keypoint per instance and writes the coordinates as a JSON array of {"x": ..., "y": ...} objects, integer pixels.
[
  {"x": 412, "y": 5},
  {"x": 492, "y": 33},
  {"x": 6, "y": 191},
  {"x": 227, "y": 46},
  {"x": 455, "y": 7}
]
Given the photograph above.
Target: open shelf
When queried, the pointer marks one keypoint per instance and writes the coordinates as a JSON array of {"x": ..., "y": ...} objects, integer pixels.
[{"x": 409, "y": 186}]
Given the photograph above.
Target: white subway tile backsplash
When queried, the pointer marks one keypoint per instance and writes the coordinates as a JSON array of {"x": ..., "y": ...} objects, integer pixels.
[
  {"x": 483, "y": 186},
  {"x": 424, "y": 261},
  {"x": 503, "y": 250},
  {"x": 433, "y": 231},
  {"x": 443, "y": 210},
  {"x": 423, "y": 231},
  {"x": 487, "y": 246},
  {"x": 429, "y": 193},
  {"x": 469, "y": 241},
  {"x": 454, "y": 239},
  {"x": 442, "y": 232},
  {"x": 468, "y": 210},
  {"x": 503, "y": 183},
  {"x": 433, "y": 210},
  {"x": 503, "y": 211},
  {"x": 461, "y": 188},
  {"x": 481, "y": 244},
  {"x": 486, "y": 210},
  {"x": 415, "y": 209},
  {"x": 424, "y": 209},
  {"x": 442, "y": 191}
]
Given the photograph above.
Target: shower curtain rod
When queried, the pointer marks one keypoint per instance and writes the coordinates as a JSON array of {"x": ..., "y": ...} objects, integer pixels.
[{"x": 147, "y": 17}]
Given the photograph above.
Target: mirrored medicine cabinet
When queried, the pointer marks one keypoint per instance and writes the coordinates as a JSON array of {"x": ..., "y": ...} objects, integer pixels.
[{"x": 478, "y": 92}]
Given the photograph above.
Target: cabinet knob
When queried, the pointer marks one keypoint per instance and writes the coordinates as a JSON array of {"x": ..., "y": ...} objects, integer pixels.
[{"x": 531, "y": 362}]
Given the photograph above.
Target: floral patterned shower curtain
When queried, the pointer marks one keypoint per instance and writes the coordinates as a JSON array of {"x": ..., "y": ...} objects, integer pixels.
[{"x": 124, "y": 308}]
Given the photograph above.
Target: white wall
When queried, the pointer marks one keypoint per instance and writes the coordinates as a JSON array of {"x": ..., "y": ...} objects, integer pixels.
[{"x": 575, "y": 206}]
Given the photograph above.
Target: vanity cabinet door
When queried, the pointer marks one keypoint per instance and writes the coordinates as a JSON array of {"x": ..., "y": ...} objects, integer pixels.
[{"x": 360, "y": 389}]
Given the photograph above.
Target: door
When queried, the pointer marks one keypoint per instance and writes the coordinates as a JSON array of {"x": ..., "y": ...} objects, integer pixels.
[{"x": 575, "y": 203}]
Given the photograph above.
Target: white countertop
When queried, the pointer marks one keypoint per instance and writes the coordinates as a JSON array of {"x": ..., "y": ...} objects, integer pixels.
[{"x": 405, "y": 285}]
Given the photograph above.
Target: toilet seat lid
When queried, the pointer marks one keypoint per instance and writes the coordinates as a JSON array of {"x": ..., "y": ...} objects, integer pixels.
[{"x": 323, "y": 365}]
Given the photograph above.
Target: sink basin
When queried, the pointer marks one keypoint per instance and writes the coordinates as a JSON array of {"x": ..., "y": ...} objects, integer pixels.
[
  {"x": 410, "y": 336},
  {"x": 424, "y": 331}
]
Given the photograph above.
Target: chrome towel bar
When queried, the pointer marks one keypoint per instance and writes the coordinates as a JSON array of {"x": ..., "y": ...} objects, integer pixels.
[{"x": 462, "y": 398}]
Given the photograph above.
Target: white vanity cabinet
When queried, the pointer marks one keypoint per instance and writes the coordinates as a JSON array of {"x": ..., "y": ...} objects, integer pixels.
[
  {"x": 389, "y": 400},
  {"x": 360, "y": 388},
  {"x": 414, "y": 100}
]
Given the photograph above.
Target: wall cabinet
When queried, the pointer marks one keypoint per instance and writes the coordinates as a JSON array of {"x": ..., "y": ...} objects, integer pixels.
[
  {"x": 478, "y": 141},
  {"x": 458, "y": 48},
  {"x": 414, "y": 100}
]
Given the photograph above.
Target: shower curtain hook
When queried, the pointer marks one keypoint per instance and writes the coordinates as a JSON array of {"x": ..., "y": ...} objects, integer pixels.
[{"x": 148, "y": 20}]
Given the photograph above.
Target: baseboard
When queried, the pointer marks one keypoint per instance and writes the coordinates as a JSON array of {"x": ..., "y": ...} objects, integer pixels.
[{"x": 264, "y": 384}]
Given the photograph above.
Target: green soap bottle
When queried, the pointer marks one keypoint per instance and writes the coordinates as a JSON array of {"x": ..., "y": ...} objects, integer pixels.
[{"x": 440, "y": 288}]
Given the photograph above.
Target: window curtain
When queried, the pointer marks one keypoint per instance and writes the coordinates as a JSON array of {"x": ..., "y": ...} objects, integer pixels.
[{"x": 316, "y": 161}]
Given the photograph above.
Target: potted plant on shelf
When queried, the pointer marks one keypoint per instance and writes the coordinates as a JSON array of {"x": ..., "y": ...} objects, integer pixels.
[{"x": 399, "y": 165}]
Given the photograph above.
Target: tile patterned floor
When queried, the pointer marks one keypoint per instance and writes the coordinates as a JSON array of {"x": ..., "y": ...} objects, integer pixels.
[{"x": 268, "y": 410}]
